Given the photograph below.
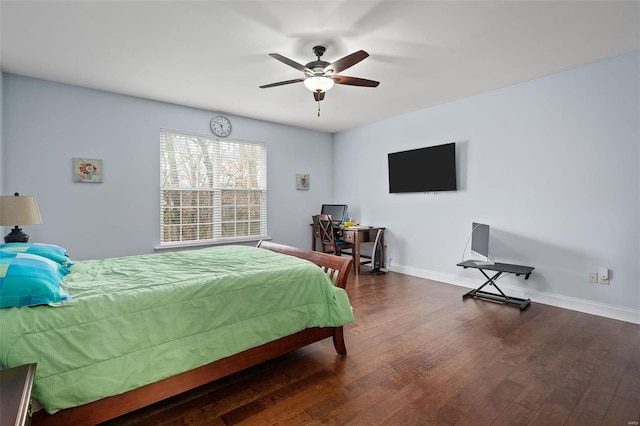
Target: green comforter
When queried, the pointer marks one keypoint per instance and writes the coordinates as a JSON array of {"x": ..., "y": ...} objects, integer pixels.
[{"x": 140, "y": 319}]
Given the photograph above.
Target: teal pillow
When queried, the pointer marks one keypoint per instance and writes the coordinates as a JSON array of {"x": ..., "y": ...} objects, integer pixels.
[
  {"x": 50, "y": 251},
  {"x": 27, "y": 280}
]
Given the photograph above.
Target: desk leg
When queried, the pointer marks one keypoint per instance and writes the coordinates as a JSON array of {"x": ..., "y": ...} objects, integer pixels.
[
  {"x": 356, "y": 251},
  {"x": 502, "y": 298},
  {"x": 313, "y": 239}
]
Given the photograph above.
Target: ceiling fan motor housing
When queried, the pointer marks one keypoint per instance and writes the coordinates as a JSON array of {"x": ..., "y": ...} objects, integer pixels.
[{"x": 318, "y": 66}]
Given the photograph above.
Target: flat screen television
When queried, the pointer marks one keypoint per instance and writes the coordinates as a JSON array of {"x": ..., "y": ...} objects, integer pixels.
[
  {"x": 424, "y": 169},
  {"x": 338, "y": 212}
]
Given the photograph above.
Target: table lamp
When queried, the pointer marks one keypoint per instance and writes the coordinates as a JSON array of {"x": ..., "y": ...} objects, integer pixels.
[{"x": 18, "y": 210}]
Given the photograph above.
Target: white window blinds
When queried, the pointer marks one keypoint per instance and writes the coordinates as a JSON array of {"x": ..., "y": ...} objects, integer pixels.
[{"x": 211, "y": 190}]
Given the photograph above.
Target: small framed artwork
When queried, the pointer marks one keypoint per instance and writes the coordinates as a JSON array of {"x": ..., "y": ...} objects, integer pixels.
[
  {"x": 87, "y": 170},
  {"x": 302, "y": 182}
]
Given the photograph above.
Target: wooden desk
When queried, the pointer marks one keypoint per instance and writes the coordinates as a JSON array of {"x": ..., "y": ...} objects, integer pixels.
[{"x": 354, "y": 234}]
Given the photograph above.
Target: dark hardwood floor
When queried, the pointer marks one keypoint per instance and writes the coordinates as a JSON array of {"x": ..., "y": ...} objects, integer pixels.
[{"x": 420, "y": 355}]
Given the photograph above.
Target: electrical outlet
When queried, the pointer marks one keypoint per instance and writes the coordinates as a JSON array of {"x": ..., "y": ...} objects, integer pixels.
[
  {"x": 593, "y": 277},
  {"x": 604, "y": 282}
]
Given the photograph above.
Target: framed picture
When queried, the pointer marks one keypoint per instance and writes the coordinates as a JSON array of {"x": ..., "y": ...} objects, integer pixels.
[
  {"x": 87, "y": 170},
  {"x": 302, "y": 182}
]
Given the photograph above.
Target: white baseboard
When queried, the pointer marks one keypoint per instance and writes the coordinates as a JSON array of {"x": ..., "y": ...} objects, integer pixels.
[{"x": 581, "y": 305}]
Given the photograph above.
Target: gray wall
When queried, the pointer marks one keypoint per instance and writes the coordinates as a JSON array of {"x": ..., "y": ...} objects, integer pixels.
[
  {"x": 551, "y": 165},
  {"x": 47, "y": 124},
  {"x": 1, "y": 140}
]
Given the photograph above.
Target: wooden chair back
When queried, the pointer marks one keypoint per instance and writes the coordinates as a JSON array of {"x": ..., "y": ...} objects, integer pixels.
[{"x": 326, "y": 233}]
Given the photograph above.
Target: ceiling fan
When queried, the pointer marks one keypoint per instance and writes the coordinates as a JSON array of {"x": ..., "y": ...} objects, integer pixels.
[{"x": 320, "y": 75}]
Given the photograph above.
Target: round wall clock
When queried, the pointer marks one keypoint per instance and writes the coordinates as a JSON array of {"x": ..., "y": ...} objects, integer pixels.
[{"x": 221, "y": 126}]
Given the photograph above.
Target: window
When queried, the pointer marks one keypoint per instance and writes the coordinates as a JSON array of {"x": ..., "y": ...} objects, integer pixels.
[{"x": 211, "y": 190}]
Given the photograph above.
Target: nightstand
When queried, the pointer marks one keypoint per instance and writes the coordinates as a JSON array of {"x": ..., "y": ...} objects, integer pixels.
[{"x": 15, "y": 388}]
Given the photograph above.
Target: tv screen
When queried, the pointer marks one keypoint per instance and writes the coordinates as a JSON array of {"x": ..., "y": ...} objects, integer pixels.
[{"x": 423, "y": 170}]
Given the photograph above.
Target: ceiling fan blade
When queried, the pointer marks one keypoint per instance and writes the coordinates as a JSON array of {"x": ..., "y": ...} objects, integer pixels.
[
  {"x": 282, "y": 83},
  {"x": 318, "y": 96},
  {"x": 289, "y": 62},
  {"x": 346, "y": 62},
  {"x": 354, "y": 81}
]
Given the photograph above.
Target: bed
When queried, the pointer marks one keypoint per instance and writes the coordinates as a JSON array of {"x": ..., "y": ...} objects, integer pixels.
[{"x": 145, "y": 328}]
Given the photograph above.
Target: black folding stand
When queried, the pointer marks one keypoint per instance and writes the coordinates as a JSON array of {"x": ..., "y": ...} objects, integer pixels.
[{"x": 499, "y": 268}]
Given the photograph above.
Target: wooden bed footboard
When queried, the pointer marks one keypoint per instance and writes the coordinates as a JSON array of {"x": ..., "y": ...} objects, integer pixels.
[
  {"x": 108, "y": 408},
  {"x": 335, "y": 266}
]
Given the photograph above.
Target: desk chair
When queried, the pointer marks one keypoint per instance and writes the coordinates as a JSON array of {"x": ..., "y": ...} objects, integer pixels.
[
  {"x": 326, "y": 232},
  {"x": 367, "y": 250}
]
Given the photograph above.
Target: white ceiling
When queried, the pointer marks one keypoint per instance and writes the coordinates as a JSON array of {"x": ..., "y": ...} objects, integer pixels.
[{"x": 214, "y": 54}]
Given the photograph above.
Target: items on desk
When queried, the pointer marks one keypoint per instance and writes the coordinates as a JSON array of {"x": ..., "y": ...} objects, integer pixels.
[{"x": 356, "y": 225}]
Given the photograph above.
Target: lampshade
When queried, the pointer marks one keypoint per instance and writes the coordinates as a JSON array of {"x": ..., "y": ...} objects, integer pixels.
[
  {"x": 319, "y": 83},
  {"x": 19, "y": 210}
]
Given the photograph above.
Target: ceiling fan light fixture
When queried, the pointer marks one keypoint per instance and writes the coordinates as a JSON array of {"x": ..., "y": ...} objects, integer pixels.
[{"x": 319, "y": 84}]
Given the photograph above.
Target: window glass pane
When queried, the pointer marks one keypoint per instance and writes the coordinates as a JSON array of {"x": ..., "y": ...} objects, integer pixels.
[
  {"x": 189, "y": 233},
  {"x": 254, "y": 228},
  {"x": 228, "y": 212},
  {"x": 190, "y": 216},
  {"x": 242, "y": 197},
  {"x": 228, "y": 197},
  {"x": 205, "y": 198},
  {"x": 256, "y": 197},
  {"x": 205, "y": 215},
  {"x": 242, "y": 213},
  {"x": 206, "y": 231},
  {"x": 242, "y": 229},
  {"x": 171, "y": 198},
  {"x": 254, "y": 212},
  {"x": 171, "y": 233},
  {"x": 228, "y": 230}
]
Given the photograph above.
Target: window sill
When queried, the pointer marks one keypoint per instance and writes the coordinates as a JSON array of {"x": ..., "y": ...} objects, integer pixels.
[{"x": 192, "y": 246}]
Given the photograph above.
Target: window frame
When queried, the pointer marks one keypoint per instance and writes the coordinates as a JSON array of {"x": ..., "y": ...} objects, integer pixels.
[{"x": 228, "y": 169}]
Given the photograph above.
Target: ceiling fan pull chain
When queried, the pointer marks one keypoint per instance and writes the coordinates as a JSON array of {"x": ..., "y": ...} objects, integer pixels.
[{"x": 318, "y": 108}]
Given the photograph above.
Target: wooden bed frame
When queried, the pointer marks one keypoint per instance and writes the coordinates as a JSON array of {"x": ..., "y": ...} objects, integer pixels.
[{"x": 111, "y": 407}]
